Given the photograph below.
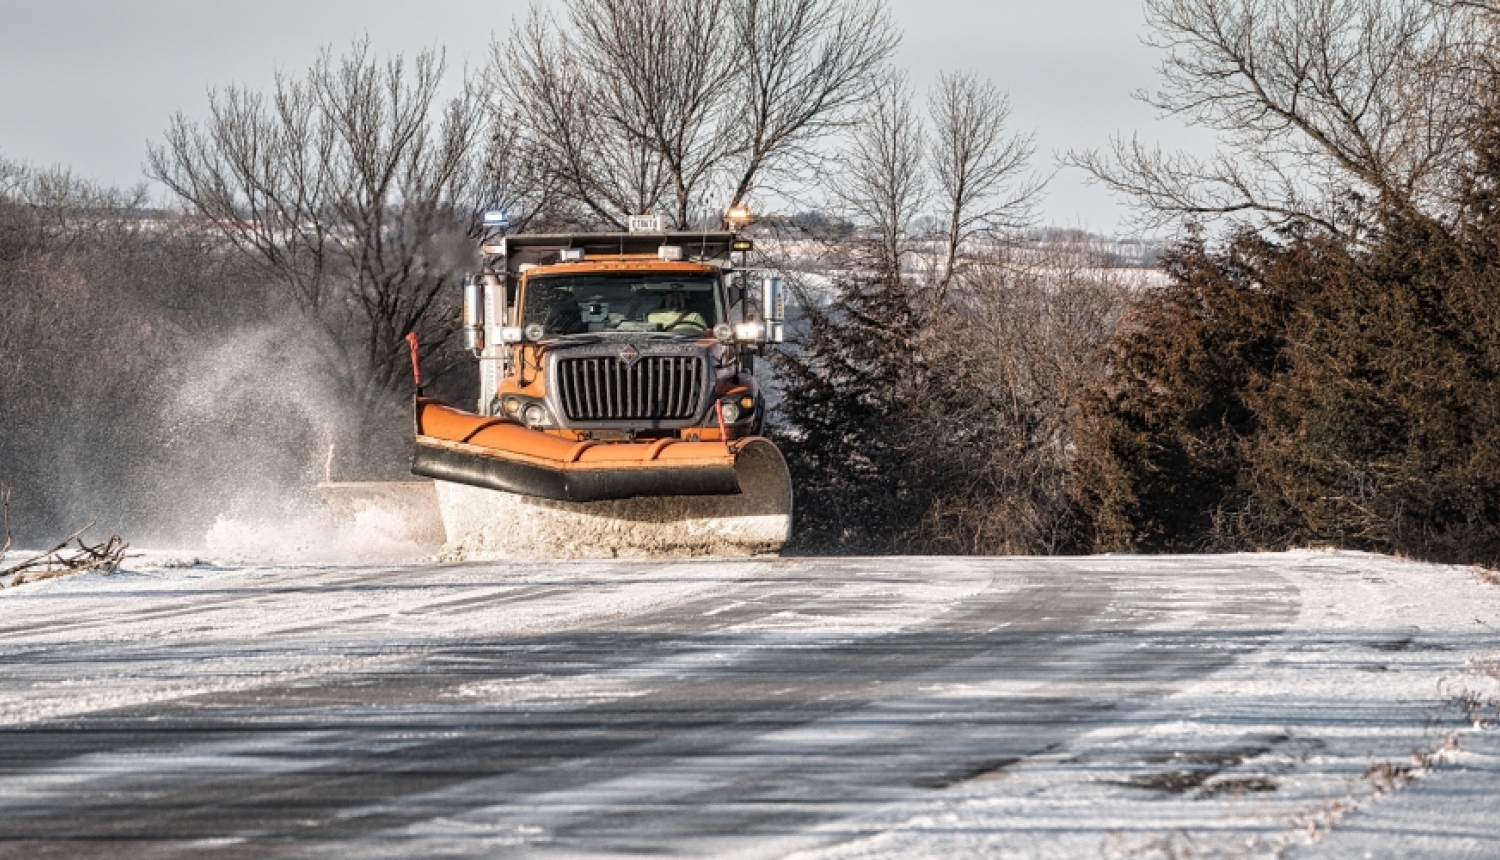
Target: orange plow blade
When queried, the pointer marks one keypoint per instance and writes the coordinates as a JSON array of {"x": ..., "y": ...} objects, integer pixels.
[
  {"x": 506, "y": 491},
  {"x": 497, "y": 454}
]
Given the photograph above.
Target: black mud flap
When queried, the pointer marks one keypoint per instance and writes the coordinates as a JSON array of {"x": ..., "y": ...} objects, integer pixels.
[{"x": 593, "y": 485}]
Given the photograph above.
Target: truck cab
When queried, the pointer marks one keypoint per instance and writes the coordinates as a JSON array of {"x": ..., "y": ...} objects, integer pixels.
[{"x": 622, "y": 337}]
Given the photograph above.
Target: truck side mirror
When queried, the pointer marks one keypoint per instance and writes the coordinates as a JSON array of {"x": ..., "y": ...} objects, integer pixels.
[
  {"x": 473, "y": 327},
  {"x": 773, "y": 308}
]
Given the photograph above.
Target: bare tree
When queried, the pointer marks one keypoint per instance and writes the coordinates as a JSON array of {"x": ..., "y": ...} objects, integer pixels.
[
  {"x": 635, "y": 105},
  {"x": 62, "y": 209},
  {"x": 882, "y": 183},
  {"x": 1322, "y": 107},
  {"x": 51, "y": 222},
  {"x": 403, "y": 181},
  {"x": 16, "y": 231},
  {"x": 804, "y": 65},
  {"x": 977, "y": 166},
  {"x": 127, "y": 294},
  {"x": 661, "y": 75},
  {"x": 935, "y": 184},
  {"x": 925, "y": 397},
  {"x": 10, "y": 173},
  {"x": 545, "y": 108},
  {"x": 353, "y": 188},
  {"x": 1015, "y": 360},
  {"x": 512, "y": 182}
]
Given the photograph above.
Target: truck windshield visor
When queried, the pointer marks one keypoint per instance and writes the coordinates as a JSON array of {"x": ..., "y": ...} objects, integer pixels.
[{"x": 685, "y": 305}]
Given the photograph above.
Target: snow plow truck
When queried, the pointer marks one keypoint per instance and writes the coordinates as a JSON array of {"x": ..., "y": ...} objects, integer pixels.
[{"x": 618, "y": 414}]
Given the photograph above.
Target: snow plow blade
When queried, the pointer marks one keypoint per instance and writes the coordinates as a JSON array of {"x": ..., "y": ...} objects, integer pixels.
[
  {"x": 506, "y": 491},
  {"x": 498, "y": 454},
  {"x": 400, "y": 510}
]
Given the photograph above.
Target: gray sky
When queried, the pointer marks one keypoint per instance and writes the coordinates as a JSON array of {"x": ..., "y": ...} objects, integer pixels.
[{"x": 85, "y": 83}]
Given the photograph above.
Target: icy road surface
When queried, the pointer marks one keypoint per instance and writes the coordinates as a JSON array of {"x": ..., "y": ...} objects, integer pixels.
[{"x": 1310, "y": 704}]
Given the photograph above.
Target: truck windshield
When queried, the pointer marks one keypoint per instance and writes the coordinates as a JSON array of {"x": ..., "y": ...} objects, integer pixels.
[{"x": 623, "y": 302}]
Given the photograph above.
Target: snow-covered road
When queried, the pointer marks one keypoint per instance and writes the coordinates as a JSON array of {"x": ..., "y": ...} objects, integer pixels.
[{"x": 813, "y": 708}]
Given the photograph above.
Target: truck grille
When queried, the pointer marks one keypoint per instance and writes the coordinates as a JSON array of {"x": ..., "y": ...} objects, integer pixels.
[{"x": 654, "y": 388}]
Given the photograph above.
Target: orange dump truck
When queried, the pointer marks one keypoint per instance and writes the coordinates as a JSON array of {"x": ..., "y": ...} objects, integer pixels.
[{"x": 617, "y": 412}]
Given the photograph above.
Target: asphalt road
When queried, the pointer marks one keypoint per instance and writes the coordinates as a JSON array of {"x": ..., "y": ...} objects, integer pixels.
[{"x": 575, "y": 709}]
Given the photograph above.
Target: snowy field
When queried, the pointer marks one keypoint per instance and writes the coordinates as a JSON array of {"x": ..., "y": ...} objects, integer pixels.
[{"x": 1305, "y": 704}]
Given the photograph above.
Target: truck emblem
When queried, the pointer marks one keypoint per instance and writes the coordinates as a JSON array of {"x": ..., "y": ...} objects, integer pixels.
[{"x": 629, "y": 354}]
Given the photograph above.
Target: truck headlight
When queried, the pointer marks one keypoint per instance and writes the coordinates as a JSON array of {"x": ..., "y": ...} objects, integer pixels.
[
  {"x": 736, "y": 408},
  {"x": 534, "y": 415}
]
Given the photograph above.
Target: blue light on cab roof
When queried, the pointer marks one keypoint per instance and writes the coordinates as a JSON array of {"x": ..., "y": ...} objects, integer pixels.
[{"x": 496, "y": 218}]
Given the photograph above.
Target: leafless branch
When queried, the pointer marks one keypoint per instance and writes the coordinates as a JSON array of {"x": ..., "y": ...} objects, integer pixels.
[
  {"x": 59, "y": 561},
  {"x": 5, "y": 519},
  {"x": 804, "y": 65},
  {"x": 1489, "y": 6},
  {"x": 1323, "y": 109}
]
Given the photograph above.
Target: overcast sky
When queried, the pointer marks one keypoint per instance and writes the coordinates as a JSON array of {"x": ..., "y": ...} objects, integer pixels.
[{"x": 85, "y": 83}]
